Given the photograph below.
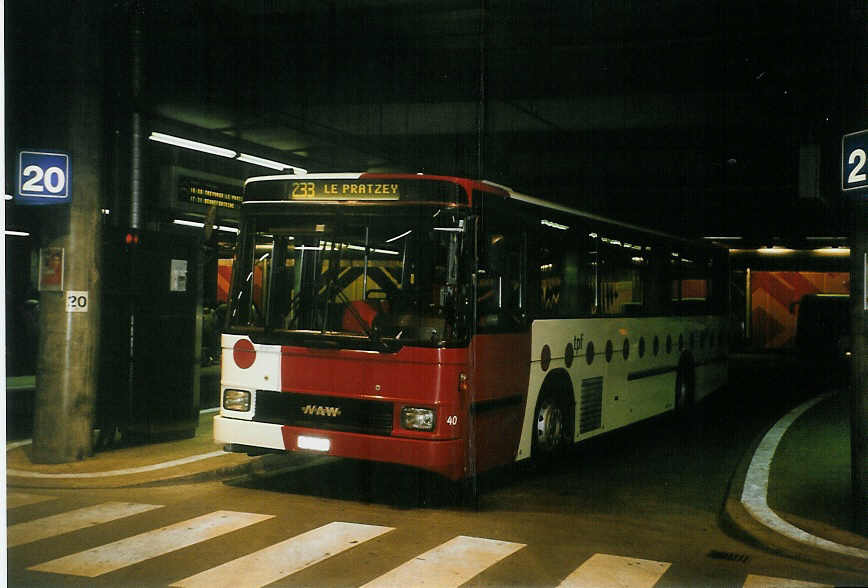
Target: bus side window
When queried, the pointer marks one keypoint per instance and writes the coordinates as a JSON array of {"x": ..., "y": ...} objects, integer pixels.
[
  {"x": 566, "y": 261},
  {"x": 690, "y": 284},
  {"x": 622, "y": 275}
]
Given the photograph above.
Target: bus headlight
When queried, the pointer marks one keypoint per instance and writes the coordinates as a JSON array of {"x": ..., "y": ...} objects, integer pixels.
[
  {"x": 236, "y": 400},
  {"x": 417, "y": 419}
]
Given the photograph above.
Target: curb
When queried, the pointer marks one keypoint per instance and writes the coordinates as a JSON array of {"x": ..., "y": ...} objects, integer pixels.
[
  {"x": 800, "y": 545},
  {"x": 258, "y": 467},
  {"x": 245, "y": 467}
]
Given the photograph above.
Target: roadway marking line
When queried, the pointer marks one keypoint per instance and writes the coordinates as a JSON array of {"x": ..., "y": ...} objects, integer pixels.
[
  {"x": 16, "y": 499},
  {"x": 138, "y": 470},
  {"x": 73, "y": 521},
  {"x": 287, "y": 557},
  {"x": 450, "y": 564},
  {"x": 612, "y": 571},
  {"x": 754, "y": 581},
  {"x": 754, "y": 495},
  {"x": 132, "y": 550}
]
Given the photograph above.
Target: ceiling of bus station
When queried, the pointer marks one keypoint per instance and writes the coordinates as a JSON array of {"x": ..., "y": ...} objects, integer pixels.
[{"x": 683, "y": 115}]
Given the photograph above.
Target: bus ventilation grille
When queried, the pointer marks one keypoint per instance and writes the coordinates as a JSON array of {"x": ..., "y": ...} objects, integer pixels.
[
  {"x": 353, "y": 415},
  {"x": 592, "y": 405}
]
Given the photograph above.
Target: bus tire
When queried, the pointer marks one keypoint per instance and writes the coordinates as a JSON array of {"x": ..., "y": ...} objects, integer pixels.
[
  {"x": 552, "y": 424},
  {"x": 685, "y": 388}
]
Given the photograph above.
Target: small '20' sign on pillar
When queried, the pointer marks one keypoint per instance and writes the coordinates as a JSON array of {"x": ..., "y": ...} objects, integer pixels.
[{"x": 76, "y": 301}]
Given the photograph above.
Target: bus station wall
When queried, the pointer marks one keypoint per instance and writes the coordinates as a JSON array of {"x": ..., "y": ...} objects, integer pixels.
[{"x": 774, "y": 305}]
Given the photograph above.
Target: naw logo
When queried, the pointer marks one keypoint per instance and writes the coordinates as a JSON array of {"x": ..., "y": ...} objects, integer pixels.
[{"x": 315, "y": 410}]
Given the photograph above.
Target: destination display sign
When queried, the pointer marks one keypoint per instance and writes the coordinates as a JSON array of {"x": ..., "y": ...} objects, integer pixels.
[
  {"x": 306, "y": 189},
  {"x": 356, "y": 190},
  {"x": 205, "y": 193}
]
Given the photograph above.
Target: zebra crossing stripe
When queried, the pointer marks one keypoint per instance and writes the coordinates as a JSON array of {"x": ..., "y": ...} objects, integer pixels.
[
  {"x": 754, "y": 581},
  {"x": 613, "y": 571},
  {"x": 287, "y": 557},
  {"x": 450, "y": 564},
  {"x": 132, "y": 550},
  {"x": 73, "y": 521},
  {"x": 16, "y": 499}
]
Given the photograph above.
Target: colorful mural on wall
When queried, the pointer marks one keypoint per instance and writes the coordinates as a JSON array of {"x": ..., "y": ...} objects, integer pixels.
[{"x": 775, "y": 298}]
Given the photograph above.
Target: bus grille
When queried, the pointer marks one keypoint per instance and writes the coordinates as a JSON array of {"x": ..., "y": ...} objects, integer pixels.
[
  {"x": 591, "y": 417},
  {"x": 332, "y": 413}
]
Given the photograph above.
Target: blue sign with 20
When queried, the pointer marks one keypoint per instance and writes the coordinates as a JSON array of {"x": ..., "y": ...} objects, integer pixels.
[
  {"x": 43, "y": 178},
  {"x": 854, "y": 161}
]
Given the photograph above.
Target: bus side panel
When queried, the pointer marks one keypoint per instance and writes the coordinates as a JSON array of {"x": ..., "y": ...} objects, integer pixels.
[
  {"x": 629, "y": 385},
  {"x": 554, "y": 334},
  {"x": 499, "y": 394}
]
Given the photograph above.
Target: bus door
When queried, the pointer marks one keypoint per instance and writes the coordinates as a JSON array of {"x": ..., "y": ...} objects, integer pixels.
[{"x": 501, "y": 346}]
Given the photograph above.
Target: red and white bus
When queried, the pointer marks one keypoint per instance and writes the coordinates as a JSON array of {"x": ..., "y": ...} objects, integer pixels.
[{"x": 454, "y": 325}]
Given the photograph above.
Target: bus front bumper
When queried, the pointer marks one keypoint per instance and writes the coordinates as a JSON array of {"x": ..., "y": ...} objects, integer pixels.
[{"x": 446, "y": 458}]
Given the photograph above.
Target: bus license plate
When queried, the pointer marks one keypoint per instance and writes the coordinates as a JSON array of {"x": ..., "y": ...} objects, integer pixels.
[{"x": 313, "y": 443}]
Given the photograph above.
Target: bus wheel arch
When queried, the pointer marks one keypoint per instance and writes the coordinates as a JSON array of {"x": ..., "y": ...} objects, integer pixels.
[
  {"x": 685, "y": 384},
  {"x": 554, "y": 417}
]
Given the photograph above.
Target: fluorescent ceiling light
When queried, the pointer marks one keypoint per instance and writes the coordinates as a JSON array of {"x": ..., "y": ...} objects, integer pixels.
[
  {"x": 553, "y": 225},
  {"x": 187, "y": 223},
  {"x": 842, "y": 251},
  {"x": 16, "y": 234},
  {"x": 776, "y": 250},
  {"x": 404, "y": 234},
  {"x": 222, "y": 152},
  {"x": 194, "y": 145},
  {"x": 247, "y": 158},
  {"x": 199, "y": 225}
]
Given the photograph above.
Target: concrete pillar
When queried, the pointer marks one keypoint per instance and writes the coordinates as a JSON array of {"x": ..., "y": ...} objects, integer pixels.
[
  {"x": 857, "y": 119},
  {"x": 66, "y": 379},
  {"x": 859, "y": 361}
]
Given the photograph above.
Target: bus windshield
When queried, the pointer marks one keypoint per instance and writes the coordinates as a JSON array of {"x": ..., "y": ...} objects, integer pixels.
[{"x": 393, "y": 274}]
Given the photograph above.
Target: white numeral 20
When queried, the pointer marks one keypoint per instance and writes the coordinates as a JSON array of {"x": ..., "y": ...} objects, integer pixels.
[{"x": 54, "y": 179}]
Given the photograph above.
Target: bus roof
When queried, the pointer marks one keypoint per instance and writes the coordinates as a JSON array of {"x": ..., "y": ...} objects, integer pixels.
[{"x": 483, "y": 185}]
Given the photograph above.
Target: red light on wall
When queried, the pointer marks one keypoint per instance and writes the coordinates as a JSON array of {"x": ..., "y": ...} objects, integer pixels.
[{"x": 131, "y": 239}]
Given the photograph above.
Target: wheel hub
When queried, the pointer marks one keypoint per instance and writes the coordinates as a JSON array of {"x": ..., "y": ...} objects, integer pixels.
[{"x": 549, "y": 426}]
